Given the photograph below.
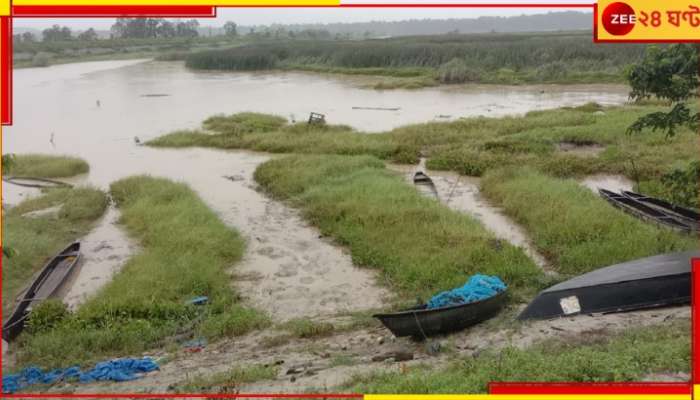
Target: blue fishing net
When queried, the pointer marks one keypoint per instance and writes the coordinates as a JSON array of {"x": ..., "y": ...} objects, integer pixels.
[
  {"x": 478, "y": 287},
  {"x": 124, "y": 369}
]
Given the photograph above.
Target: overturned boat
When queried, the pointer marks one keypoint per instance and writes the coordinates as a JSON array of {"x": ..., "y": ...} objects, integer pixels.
[
  {"x": 643, "y": 211},
  {"x": 421, "y": 322},
  {"x": 650, "y": 282},
  {"x": 684, "y": 215},
  {"x": 46, "y": 285}
]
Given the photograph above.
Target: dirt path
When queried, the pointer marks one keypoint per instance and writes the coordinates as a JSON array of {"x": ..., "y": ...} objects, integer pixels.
[
  {"x": 105, "y": 251},
  {"x": 323, "y": 364},
  {"x": 288, "y": 270},
  {"x": 461, "y": 193}
]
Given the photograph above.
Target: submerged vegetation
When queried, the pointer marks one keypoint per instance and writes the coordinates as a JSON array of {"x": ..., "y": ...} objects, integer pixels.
[
  {"x": 417, "y": 244},
  {"x": 630, "y": 356},
  {"x": 186, "y": 251},
  {"x": 38, "y": 228},
  {"x": 453, "y": 58},
  {"x": 45, "y": 166},
  {"x": 573, "y": 227}
]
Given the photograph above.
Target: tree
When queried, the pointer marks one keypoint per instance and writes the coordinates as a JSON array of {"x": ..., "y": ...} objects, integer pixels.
[
  {"x": 56, "y": 33},
  {"x": 187, "y": 28},
  {"x": 166, "y": 29},
  {"x": 28, "y": 37},
  {"x": 669, "y": 73},
  {"x": 88, "y": 35},
  {"x": 230, "y": 28}
]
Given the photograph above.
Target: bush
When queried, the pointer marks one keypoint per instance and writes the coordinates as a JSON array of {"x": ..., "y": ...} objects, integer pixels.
[
  {"x": 457, "y": 71},
  {"x": 46, "y": 315}
]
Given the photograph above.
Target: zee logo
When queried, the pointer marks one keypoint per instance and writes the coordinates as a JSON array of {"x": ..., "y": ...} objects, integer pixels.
[{"x": 619, "y": 19}]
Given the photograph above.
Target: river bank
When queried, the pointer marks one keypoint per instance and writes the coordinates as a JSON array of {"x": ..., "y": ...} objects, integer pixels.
[{"x": 299, "y": 257}]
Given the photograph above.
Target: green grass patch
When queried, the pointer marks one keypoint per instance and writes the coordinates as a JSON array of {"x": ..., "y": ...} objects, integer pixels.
[
  {"x": 186, "y": 252},
  {"x": 46, "y": 166},
  {"x": 594, "y": 358},
  {"x": 572, "y": 226},
  {"x": 228, "y": 381},
  {"x": 419, "y": 245},
  {"x": 305, "y": 328},
  {"x": 474, "y": 146},
  {"x": 35, "y": 239}
]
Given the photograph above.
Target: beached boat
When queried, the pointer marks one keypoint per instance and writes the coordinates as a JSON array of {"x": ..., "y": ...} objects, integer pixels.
[
  {"x": 643, "y": 211},
  {"x": 422, "y": 180},
  {"x": 46, "y": 285},
  {"x": 685, "y": 215},
  {"x": 650, "y": 282},
  {"x": 421, "y": 322},
  {"x": 32, "y": 182}
]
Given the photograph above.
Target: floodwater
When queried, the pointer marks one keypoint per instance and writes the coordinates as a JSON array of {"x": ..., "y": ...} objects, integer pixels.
[{"x": 94, "y": 110}]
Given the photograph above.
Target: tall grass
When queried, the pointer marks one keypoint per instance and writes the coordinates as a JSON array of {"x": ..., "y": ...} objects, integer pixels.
[
  {"x": 46, "y": 166},
  {"x": 419, "y": 245},
  {"x": 510, "y": 58},
  {"x": 186, "y": 252},
  {"x": 630, "y": 356},
  {"x": 574, "y": 227},
  {"x": 35, "y": 239}
]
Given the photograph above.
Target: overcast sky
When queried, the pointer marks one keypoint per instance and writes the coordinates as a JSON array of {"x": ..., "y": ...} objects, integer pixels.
[{"x": 267, "y": 16}]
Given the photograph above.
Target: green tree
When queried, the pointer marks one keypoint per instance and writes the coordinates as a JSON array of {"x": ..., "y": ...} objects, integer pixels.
[
  {"x": 230, "y": 28},
  {"x": 56, "y": 33},
  {"x": 88, "y": 35},
  {"x": 669, "y": 73}
]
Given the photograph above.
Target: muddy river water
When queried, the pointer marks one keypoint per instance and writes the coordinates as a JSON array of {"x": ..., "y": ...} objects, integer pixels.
[{"x": 94, "y": 110}]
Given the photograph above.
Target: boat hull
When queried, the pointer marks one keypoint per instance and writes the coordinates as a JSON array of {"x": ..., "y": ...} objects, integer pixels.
[
  {"x": 46, "y": 285},
  {"x": 643, "y": 211},
  {"x": 684, "y": 215},
  {"x": 420, "y": 322},
  {"x": 647, "y": 283}
]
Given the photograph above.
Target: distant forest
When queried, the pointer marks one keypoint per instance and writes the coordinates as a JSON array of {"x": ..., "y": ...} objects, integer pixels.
[{"x": 555, "y": 21}]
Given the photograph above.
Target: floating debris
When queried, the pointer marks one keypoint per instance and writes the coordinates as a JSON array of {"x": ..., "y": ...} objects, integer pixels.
[{"x": 377, "y": 108}]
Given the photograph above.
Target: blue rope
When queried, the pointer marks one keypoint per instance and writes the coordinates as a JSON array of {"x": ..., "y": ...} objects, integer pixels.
[
  {"x": 118, "y": 370},
  {"x": 478, "y": 287}
]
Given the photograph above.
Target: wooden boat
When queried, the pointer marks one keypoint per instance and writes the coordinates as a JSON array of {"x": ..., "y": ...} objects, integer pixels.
[
  {"x": 32, "y": 182},
  {"x": 684, "y": 215},
  {"x": 650, "y": 282},
  {"x": 421, "y": 178},
  {"x": 643, "y": 211},
  {"x": 45, "y": 286},
  {"x": 421, "y": 322}
]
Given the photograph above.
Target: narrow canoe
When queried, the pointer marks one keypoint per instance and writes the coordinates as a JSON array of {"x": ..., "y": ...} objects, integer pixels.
[
  {"x": 685, "y": 215},
  {"x": 45, "y": 286},
  {"x": 32, "y": 182},
  {"x": 421, "y": 322},
  {"x": 650, "y": 282},
  {"x": 643, "y": 211}
]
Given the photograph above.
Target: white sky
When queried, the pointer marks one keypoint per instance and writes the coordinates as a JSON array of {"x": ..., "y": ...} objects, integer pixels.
[{"x": 267, "y": 16}]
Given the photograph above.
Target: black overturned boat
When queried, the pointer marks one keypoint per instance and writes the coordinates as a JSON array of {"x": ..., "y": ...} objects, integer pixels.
[
  {"x": 650, "y": 282},
  {"x": 45, "y": 286},
  {"x": 643, "y": 211},
  {"x": 684, "y": 215},
  {"x": 33, "y": 182},
  {"x": 421, "y": 322}
]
